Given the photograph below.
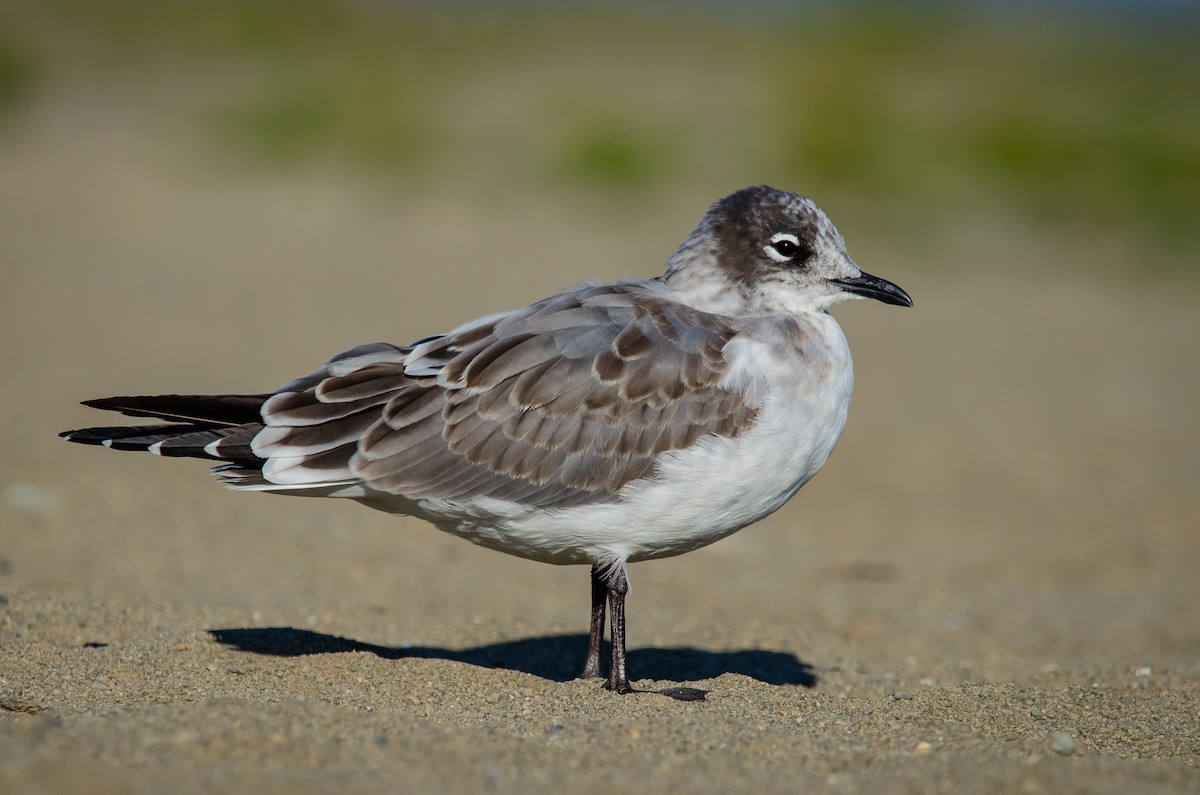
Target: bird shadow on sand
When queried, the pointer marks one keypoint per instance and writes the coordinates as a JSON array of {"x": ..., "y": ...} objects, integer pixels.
[{"x": 554, "y": 657}]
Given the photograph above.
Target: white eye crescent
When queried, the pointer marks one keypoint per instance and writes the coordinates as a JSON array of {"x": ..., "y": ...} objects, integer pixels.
[{"x": 783, "y": 247}]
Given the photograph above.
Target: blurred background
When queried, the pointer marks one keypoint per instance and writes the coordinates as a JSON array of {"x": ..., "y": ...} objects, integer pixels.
[{"x": 216, "y": 196}]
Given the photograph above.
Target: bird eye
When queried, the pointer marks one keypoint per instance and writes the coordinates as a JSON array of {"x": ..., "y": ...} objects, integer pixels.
[{"x": 784, "y": 247}]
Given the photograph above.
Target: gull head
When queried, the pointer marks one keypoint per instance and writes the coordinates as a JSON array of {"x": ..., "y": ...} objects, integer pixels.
[{"x": 763, "y": 250}]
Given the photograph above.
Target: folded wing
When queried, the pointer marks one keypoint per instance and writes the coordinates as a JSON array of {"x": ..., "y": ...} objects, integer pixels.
[{"x": 561, "y": 403}]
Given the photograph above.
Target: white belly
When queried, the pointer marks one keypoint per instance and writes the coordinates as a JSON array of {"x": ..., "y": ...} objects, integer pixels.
[
  {"x": 722, "y": 485},
  {"x": 697, "y": 496}
]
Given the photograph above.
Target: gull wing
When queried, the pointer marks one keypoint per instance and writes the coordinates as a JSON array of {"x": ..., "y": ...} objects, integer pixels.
[{"x": 561, "y": 403}]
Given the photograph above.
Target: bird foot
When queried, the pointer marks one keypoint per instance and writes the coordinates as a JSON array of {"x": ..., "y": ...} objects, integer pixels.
[{"x": 620, "y": 688}]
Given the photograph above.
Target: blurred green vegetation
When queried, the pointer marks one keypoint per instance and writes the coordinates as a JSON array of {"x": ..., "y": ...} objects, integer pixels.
[
  {"x": 1060, "y": 118},
  {"x": 366, "y": 114},
  {"x": 16, "y": 77}
]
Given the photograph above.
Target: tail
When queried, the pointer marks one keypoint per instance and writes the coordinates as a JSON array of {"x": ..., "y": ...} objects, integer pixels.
[{"x": 216, "y": 427}]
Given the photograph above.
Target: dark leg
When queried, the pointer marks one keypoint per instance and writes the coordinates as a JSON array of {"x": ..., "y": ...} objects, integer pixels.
[
  {"x": 618, "y": 586},
  {"x": 591, "y": 667}
]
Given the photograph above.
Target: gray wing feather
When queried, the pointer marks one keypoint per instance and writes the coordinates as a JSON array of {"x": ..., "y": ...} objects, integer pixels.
[{"x": 561, "y": 403}]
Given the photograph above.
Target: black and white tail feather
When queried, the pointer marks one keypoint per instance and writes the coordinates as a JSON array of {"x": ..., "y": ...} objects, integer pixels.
[
  {"x": 203, "y": 426},
  {"x": 214, "y": 427}
]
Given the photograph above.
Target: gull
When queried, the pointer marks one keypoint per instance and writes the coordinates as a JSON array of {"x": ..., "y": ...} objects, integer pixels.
[{"x": 604, "y": 425}]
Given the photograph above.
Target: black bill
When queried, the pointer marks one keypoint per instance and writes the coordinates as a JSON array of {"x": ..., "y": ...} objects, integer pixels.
[{"x": 870, "y": 286}]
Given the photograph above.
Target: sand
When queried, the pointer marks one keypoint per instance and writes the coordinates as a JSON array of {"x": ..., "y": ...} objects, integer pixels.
[{"x": 991, "y": 588}]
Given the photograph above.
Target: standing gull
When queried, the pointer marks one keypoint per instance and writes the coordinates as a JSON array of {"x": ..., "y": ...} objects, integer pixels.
[{"x": 603, "y": 425}]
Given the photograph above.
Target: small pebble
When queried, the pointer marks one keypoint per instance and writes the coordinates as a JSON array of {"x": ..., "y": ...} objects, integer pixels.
[
  {"x": 15, "y": 704},
  {"x": 1062, "y": 743}
]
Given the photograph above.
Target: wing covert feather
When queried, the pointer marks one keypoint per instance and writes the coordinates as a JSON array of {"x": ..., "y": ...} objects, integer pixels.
[{"x": 561, "y": 403}]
